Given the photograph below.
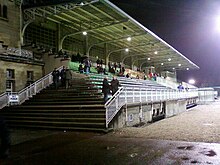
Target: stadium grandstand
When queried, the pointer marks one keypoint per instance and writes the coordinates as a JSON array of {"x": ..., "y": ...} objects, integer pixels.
[{"x": 38, "y": 36}]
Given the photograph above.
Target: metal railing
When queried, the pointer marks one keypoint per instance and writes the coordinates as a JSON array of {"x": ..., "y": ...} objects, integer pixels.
[
  {"x": 130, "y": 95},
  {"x": 28, "y": 91},
  {"x": 3, "y": 100}
]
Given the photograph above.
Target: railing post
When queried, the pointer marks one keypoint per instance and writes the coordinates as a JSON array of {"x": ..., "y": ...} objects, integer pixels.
[
  {"x": 140, "y": 95},
  {"x": 35, "y": 88},
  {"x": 146, "y": 94},
  {"x": 151, "y": 97},
  {"x": 106, "y": 116},
  {"x": 133, "y": 95},
  {"x": 126, "y": 96}
]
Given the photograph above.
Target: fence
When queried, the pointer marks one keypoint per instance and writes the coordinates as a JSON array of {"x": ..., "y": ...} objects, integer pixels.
[{"x": 136, "y": 95}]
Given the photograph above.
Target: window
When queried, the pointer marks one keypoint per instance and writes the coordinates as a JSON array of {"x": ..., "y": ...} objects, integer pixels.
[
  {"x": 0, "y": 10},
  {"x": 5, "y": 11},
  {"x": 30, "y": 78},
  {"x": 10, "y": 73},
  {"x": 30, "y": 75}
]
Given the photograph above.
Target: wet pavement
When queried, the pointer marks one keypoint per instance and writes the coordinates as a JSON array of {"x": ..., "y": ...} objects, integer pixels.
[{"x": 78, "y": 148}]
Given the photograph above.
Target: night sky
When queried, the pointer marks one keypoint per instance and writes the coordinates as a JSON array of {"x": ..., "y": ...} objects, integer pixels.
[{"x": 190, "y": 26}]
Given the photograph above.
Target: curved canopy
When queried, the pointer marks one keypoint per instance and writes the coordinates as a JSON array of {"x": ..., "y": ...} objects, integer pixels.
[{"x": 109, "y": 24}]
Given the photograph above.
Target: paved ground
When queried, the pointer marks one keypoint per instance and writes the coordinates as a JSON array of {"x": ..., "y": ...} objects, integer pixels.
[{"x": 173, "y": 141}]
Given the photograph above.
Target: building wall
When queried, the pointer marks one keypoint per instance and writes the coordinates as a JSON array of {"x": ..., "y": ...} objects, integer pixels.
[
  {"x": 9, "y": 28},
  {"x": 20, "y": 74}
]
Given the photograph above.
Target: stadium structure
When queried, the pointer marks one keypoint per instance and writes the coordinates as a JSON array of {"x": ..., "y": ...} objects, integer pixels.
[{"x": 38, "y": 36}]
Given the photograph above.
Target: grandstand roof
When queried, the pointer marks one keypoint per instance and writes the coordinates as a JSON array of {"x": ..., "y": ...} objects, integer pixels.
[{"x": 105, "y": 21}]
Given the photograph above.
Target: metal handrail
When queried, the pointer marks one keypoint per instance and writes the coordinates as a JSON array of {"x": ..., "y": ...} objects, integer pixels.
[
  {"x": 3, "y": 100},
  {"x": 110, "y": 102},
  {"x": 136, "y": 95}
]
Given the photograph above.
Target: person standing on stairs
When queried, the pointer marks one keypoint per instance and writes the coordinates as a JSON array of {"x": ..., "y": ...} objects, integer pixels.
[
  {"x": 63, "y": 76},
  {"x": 68, "y": 77},
  {"x": 105, "y": 89},
  {"x": 55, "y": 75}
]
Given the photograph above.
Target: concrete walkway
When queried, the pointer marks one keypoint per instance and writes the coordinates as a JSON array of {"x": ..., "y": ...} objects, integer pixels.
[{"x": 176, "y": 140}]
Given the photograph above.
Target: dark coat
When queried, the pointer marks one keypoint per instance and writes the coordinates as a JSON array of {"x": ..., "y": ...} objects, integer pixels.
[
  {"x": 114, "y": 86},
  {"x": 105, "y": 87}
]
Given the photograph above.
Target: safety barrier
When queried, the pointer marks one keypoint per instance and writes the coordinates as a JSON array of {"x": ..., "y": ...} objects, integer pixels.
[{"x": 127, "y": 95}]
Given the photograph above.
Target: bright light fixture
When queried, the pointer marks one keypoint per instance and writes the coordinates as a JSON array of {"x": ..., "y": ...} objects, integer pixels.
[
  {"x": 84, "y": 33},
  {"x": 169, "y": 59},
  {"x": 129, "y": 39},
  {"x": 155, "y": 52},
  {"x": 187, "y": 68},
  {"x": 127, "y": 50},
  {"x": 148, "y": 58},
  {"x": 161, "y": 63},
  {"x": 192, "y": 81},
  {"x": 173, "y": 68},
  {"x": 179, "y": 64}
]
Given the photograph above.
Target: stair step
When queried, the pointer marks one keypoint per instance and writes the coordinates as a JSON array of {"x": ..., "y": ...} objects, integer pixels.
[
  {"x": 58, "y": 127},
  {"x": 67, "y": 114},
  {"x": 55, "y": 119},
  {"x": 60, "y": 102},
  {"x": 59, "y": 123},
  {"x": 53, "y": 111}
]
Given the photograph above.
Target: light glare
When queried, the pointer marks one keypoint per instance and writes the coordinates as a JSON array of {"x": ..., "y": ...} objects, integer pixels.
[
  {"x": 192, "y": 81},
  {"x": 129, "y": 39},
  {"x": 84, "y": 33}
]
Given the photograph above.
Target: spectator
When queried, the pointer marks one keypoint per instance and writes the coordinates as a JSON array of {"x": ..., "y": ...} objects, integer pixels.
[
  {"x": 114, "y": 85},
  {"x": 101, "y": 62},
  {"x": 5, "y": 139},
  {"x": 119, "y": 65},
  {"x": 55, "y": 75},
  {"x": 68, "y": 77},
  {"x": 60, "y": 53},
  {"x": 87, "y": 65},
  {"x": 128, "y": 75},
  {"x": 109, "y": 66},
  {"x": 63, "y": 76},
  {"x": 105, "y": 89},
  {"x": 98, "y": 62},
  {"x": 123, "y": 70},
  {"x": 180, "y": 87},
  {"x": 80, "y": 68},
  {"x": 115, "y": 65}
]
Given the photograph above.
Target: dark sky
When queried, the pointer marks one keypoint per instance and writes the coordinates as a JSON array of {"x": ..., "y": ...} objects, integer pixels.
[{"x": 189, "y": 26}]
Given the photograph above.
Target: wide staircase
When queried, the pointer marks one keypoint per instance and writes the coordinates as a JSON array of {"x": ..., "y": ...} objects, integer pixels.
[{"x": 77, "y": 108}]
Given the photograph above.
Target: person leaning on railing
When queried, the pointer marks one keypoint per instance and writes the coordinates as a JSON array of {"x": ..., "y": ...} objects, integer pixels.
[{"x": 114, "y": 85}]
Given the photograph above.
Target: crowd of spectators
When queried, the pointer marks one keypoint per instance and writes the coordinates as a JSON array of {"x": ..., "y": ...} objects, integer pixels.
[{"x": 62, "y": 78}]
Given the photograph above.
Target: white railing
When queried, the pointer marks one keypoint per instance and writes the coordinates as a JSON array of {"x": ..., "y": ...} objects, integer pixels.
[
  {"x": 3, "y": 100},
  {"x": 136, "y": 95},
  {"x": 28, "y": 91}
]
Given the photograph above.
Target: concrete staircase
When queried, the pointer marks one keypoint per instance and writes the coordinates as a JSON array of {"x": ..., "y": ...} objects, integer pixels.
[{"x": 78, "y": 108}]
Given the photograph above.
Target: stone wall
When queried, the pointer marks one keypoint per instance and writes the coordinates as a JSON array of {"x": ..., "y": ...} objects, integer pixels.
[
  {"x": 20, "y": 74},
  {"x": 9, "y": 28}
]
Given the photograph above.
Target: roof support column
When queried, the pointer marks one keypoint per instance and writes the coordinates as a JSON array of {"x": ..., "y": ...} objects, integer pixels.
[
  {"x": 59, "y": 44},
  {"x": 86, "y": 45},
  {"x": 106, "y": 54}
]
